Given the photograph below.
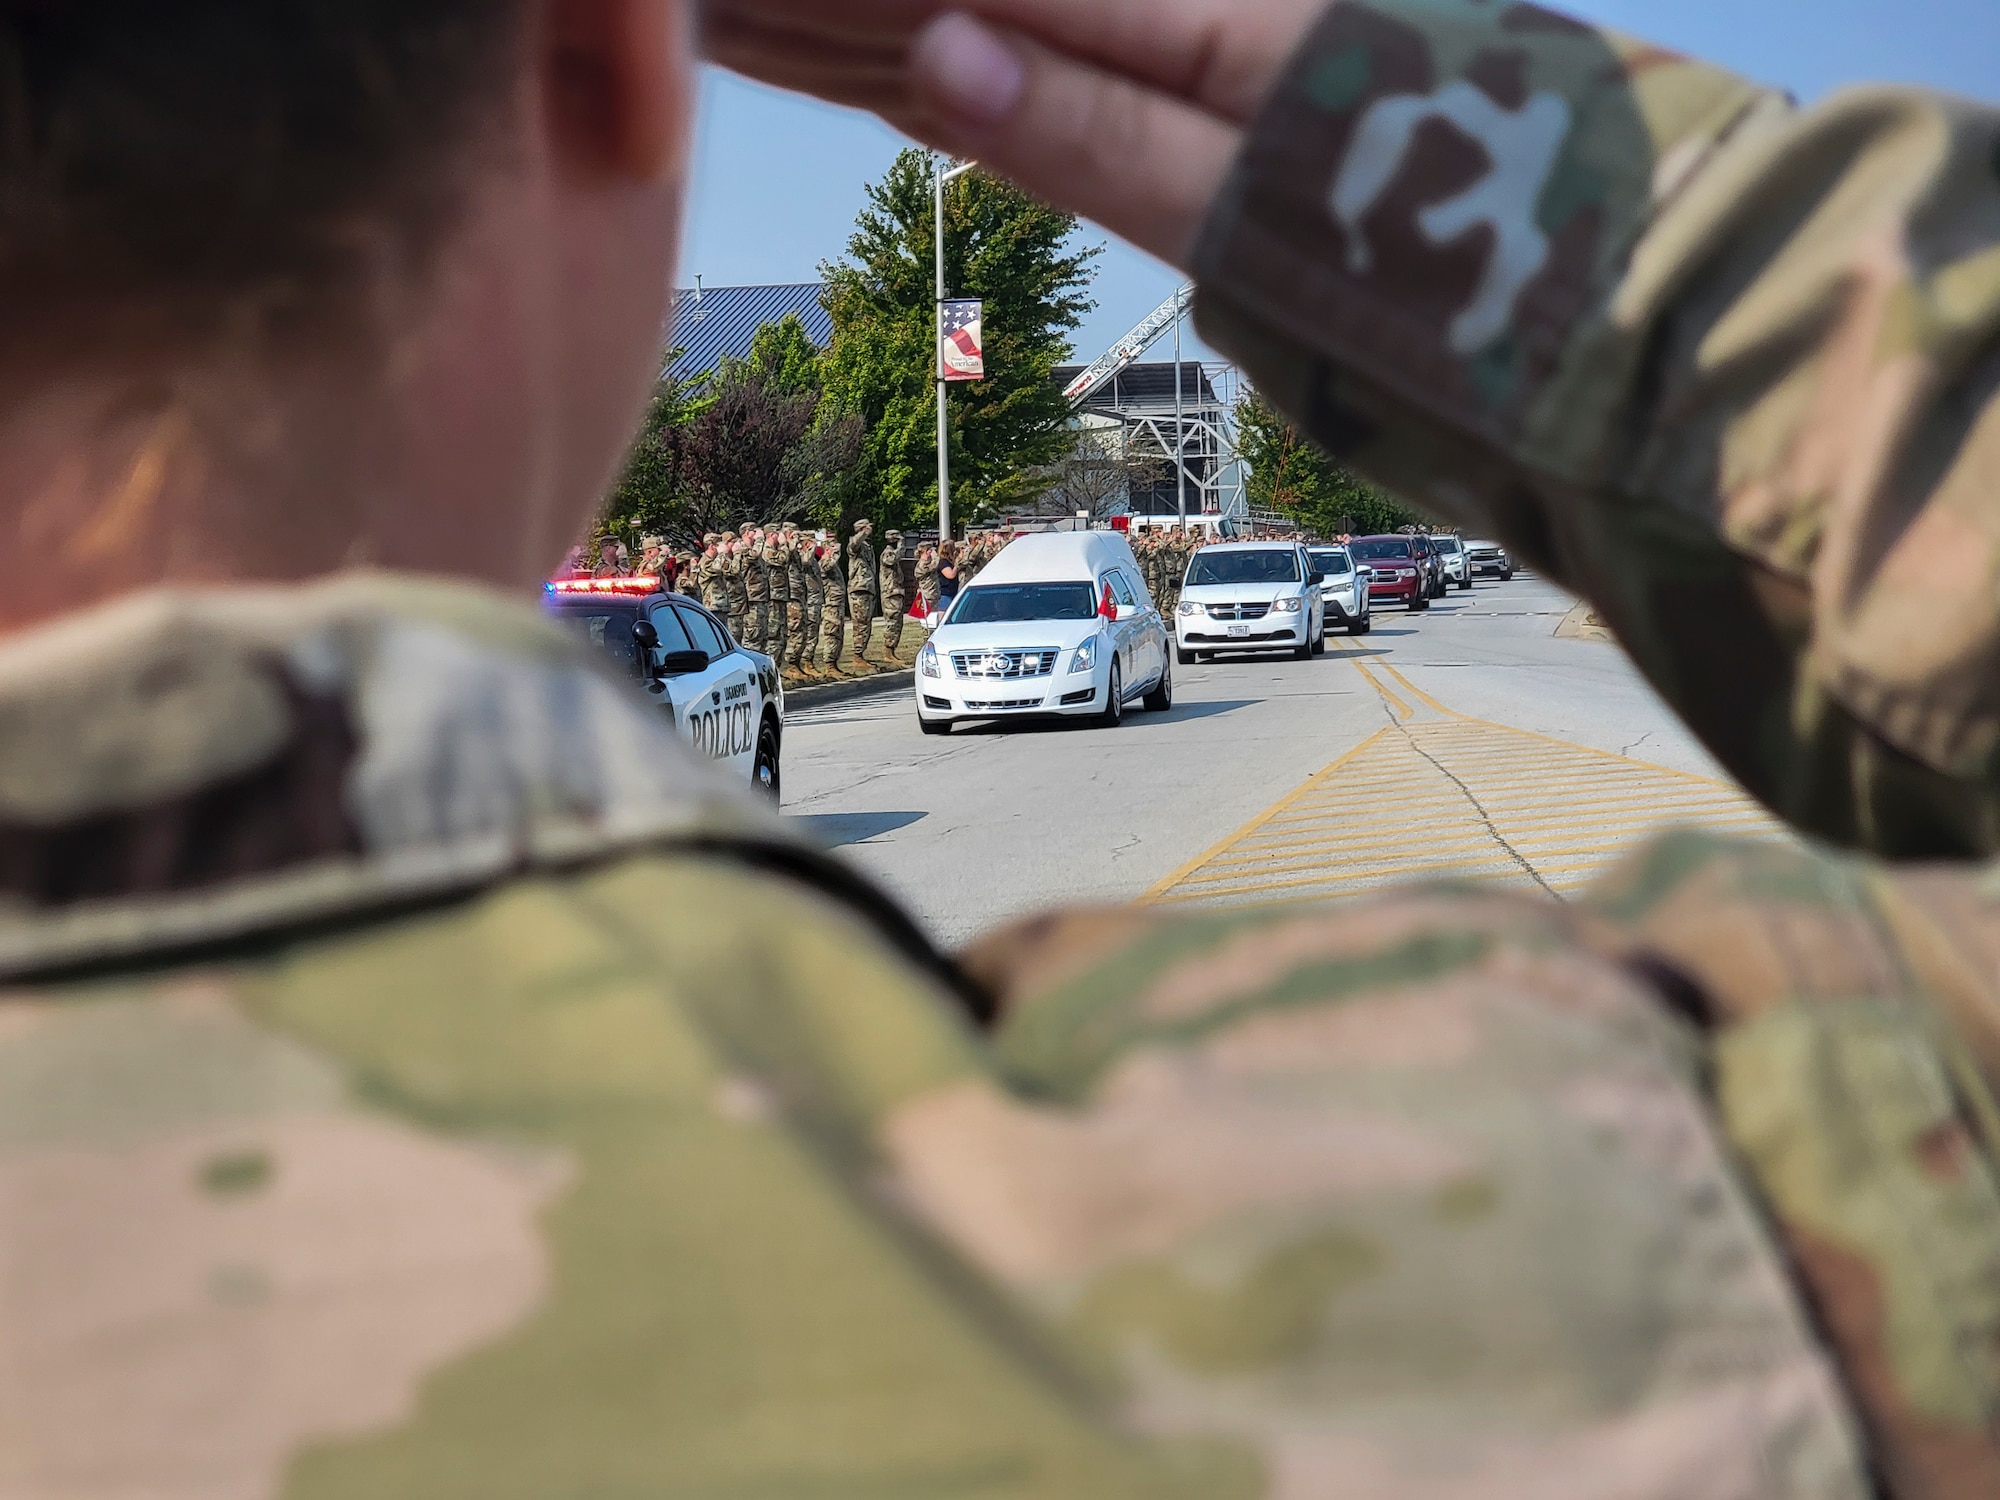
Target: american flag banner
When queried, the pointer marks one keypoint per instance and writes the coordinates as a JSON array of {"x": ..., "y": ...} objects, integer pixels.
[{"x": 961, "y": 355}]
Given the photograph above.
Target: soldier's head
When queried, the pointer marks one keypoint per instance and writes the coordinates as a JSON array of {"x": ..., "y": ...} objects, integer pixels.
[
  {"x": 252, "y": 246},
  {"x": 892, "y": 536}
]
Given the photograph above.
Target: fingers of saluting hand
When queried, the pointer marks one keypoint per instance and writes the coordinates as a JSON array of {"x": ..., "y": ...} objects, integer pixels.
[
  {"x": 853, "y": 52},
  {"x": 1144, "y": 163},
  {"x": 1223, "y": 55}
]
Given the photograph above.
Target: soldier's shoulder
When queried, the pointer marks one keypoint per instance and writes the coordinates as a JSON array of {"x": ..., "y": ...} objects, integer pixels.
[{"x": 338, "y": 1166}]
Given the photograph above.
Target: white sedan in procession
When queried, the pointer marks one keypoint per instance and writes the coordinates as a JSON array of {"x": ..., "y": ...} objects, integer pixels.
[
  {"x": 725, "y": 699},
  {"x": 1059, "y": 624},
  {"x": 1250, "y": 596}
]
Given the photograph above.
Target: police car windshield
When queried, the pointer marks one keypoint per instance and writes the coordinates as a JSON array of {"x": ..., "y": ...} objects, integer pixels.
[
  {"x": 1264, "y": 565},
  {"x": 1333, "y": 560},
  {"x": 1387, "y": 547},
  {"x": 999, "y": 603},
  {"x": 606, "y": 626}
]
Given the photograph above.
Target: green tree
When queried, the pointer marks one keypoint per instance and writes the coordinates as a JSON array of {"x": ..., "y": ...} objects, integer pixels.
[
  {"x": 1294, "y": 476},
  {"x": 785, "y": 355},
  {"x": 1017, "y": 254},
  {"x": 752, "y": 441}
]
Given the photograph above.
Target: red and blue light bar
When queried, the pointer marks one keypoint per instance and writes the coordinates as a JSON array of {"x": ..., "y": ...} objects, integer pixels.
[{"x": 637, "y": 584}]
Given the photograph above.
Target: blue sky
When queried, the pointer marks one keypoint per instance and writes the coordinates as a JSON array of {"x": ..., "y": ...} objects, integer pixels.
[{"x": 778, "y": 179}]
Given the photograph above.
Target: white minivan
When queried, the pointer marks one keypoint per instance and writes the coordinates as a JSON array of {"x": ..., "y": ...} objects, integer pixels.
[
  {"x": 1250, "y": 596},
  {"x": 1058, "y": 623}
]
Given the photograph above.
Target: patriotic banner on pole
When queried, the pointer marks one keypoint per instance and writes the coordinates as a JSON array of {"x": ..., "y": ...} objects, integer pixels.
[{"x": 961, "y": 354}]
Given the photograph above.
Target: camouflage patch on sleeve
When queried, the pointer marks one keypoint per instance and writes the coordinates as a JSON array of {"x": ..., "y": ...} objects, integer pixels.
[{"x": 1725, "y": 367}]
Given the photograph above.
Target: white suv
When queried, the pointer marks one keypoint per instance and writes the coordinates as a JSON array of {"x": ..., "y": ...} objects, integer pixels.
[
  {"x": 1250, "y": 596},
  {"x": 1343, "y": 590},
  {"x": 1457, "y": 566}
]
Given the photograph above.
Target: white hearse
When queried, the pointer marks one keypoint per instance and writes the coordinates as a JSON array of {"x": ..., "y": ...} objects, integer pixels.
[{"x": 1058, "y": 623}]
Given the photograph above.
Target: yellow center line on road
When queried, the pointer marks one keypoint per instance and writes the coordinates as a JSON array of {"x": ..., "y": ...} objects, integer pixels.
[{"x": 1441, "y": 794}]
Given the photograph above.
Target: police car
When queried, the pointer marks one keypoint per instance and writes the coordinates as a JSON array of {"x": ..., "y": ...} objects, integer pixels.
[{"x": 725, "y": 699}]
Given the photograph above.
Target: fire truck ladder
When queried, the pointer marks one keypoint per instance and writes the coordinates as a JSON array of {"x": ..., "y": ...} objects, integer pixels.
[{"x": 1129, "y": 350}]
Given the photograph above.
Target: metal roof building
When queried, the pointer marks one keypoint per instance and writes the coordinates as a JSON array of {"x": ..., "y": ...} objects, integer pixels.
[{"x": 714, "y": 323}]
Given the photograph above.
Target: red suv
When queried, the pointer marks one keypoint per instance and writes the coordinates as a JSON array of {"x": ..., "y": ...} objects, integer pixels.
[{"x": 1402, "y": 573}]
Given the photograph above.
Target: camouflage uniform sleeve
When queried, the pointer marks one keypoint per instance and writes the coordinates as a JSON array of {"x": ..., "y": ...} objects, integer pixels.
[{"x": 1724, "y": 367}]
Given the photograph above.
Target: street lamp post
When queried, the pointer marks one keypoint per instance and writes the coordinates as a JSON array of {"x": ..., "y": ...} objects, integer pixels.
[
  {"x": 1180, "y": 427},
  {"x": 939, "y": 177}
]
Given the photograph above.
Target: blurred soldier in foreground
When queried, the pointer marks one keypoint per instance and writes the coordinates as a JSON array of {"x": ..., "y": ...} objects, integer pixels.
[
  {"x": 895, "y": 594},
  {"x": 862, "y": 596},
  {"x": 420, "y": 1080}
]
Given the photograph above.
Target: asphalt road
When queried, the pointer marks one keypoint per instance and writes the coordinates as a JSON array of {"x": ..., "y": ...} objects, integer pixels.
[{"x": 1467, "y": 740}]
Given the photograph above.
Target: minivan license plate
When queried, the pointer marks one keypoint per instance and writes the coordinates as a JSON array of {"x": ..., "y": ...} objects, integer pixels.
[{"x": 1239, "y": 630}]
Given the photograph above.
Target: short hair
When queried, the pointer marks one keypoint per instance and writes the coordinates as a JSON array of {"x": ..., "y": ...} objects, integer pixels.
[{"x": 191, "y": 151}]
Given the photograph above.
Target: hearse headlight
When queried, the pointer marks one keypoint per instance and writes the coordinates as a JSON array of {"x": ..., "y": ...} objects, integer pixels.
[
  {"x": 927, "y": 661},
  {"x": 1084, "y": 658}
]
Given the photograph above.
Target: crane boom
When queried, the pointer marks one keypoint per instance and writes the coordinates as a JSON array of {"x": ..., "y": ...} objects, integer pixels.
[{"x": 1127, "y": 351}]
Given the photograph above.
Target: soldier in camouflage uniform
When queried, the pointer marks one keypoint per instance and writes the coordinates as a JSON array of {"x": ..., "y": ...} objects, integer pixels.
[
  {"x": 927, "y": 576},
  {"x": 798, "y": 644},
  {"x": 686, "y": 573},
  {"x": 833, "y": 585},
  {"x": 734, "y": 567},
  {"x": 815, "y": 604},
  {"x": 1147, "y": 547},
  {"x": 777, "y": 570},
  {"x": 420, "y": 1078},
  {"x": 714, "y": 577},
  {"x": 862, "y": 596},
  {"x": 1177, "y": 550},
  {"x": 756, "y": 591},
  {"x": 894, "y": 593}
]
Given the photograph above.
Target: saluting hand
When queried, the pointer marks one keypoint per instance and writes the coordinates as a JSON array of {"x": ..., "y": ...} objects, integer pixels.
[{"x": 1128, "y": 112}]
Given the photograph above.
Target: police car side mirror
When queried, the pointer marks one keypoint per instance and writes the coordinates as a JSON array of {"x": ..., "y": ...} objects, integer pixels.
[
  {"x": 645, "y": 641},
  {"x": 680, "y": 663}
]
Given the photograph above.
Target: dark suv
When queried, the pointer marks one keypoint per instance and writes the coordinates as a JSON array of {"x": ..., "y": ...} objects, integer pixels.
[
  {"x": 1402, "y": 572},
  {"x": 1427, "y": 552}
]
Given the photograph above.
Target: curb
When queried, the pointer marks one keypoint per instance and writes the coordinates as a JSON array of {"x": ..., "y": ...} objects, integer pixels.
[
  {"x": 835, "y": 692},
  {"x": 1582, "y": 624}
]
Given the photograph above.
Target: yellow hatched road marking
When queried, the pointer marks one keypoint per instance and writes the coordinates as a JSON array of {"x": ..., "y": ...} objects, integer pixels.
[{"x": 1445, "y": 795}]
